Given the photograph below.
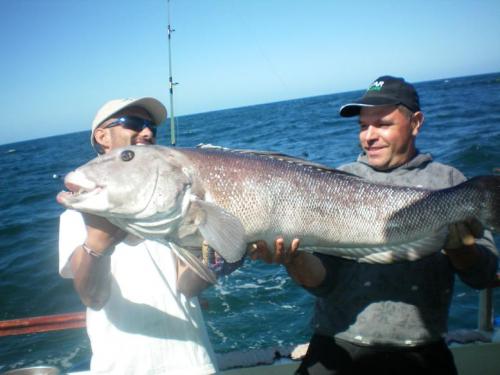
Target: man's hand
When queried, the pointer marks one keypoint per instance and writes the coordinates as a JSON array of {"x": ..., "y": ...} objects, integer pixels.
[
  {"x": 460, "y": 244},
  {"x": 463, "y": 234},
  {"x": 281, "y": 255},
  {"x": 259, "y": 251},
  {"x": 304, "y": 268},
  {"x": 101, "y": 234}
]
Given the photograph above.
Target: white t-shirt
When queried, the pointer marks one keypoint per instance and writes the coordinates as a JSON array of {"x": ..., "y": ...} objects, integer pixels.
[{"x": 147, "y": 326}]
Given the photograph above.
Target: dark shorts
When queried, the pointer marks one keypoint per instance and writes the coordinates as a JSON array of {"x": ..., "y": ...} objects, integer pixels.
[{"x": 327, "y": 356}]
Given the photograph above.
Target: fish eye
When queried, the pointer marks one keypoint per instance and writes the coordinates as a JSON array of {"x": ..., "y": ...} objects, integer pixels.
[{"x": 127, "y": 155}]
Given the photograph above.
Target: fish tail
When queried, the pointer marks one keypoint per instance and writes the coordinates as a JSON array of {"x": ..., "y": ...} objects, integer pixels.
[{"x": 488, "y": 189}]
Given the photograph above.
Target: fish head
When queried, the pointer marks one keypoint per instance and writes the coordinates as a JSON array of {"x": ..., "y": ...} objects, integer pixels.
[{"x": 133, "y": 182}]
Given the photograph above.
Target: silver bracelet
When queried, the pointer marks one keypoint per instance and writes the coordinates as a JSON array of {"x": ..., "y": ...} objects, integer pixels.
[{"x": 93, "y": 253}]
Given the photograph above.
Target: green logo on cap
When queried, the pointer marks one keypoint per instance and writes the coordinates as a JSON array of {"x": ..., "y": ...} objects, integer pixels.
[{"x": 376, "y": 86}]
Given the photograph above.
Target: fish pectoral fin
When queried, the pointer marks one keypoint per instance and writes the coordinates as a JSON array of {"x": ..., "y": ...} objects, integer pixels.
[
  {"x": 222, "y": 231},
  {"x": 194, "y": 263}
]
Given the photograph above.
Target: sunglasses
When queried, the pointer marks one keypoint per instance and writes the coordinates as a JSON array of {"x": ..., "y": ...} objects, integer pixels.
[{"x": 134, "y": 123}]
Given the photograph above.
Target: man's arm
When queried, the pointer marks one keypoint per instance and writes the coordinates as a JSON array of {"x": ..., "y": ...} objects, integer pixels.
[
  {"x": 188, "y": 282},
  {"x": 91, "y": 262}
]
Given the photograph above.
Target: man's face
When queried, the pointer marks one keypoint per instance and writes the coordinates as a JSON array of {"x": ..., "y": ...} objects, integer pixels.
[
  {"x": 387, "y": 135},
  {"x": 120, "y": 136}
]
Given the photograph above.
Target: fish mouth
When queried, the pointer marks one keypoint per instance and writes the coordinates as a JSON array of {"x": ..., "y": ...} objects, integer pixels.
[
  {"x": 79, "y": 188},
  {"x": 71, "y": 197}
]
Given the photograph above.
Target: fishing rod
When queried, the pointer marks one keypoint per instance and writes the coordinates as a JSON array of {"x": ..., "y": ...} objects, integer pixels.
[{"x": 170, "y": 80}]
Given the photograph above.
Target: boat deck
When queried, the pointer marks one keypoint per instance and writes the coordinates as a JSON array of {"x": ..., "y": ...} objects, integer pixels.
[{"x": 470, "y": 359}]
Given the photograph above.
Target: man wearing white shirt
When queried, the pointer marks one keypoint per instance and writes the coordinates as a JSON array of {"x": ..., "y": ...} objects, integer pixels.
[{"x": 142, "y": 316}]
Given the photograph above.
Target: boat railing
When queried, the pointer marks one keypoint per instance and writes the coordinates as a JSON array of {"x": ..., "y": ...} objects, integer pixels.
[{"x": 485, "y": 314}]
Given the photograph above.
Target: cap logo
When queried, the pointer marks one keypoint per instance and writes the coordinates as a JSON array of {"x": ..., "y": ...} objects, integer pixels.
[{"x": 376, "y": 86}]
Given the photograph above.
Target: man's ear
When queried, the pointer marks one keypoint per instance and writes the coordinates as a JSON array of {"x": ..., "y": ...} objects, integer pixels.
[
  {"x": 417, "y": 120},
  {"x": 103, "y": 138}
]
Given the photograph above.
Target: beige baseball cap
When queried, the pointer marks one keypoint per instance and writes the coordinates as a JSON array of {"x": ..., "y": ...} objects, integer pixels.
[{"x": 154, "y": 107}]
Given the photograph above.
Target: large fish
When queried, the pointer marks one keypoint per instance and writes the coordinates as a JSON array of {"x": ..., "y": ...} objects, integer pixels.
[{"x": 230, "y": 198}]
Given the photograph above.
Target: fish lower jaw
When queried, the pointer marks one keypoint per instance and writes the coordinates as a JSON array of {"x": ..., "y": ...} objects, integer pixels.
[{"x": 71, "y": 197}]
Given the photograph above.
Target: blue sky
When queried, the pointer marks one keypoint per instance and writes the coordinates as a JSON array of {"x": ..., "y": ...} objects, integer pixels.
[{"x": 61, "y": 59}]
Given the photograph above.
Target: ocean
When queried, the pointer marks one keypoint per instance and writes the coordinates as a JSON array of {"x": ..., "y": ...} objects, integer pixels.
[{"x": 258, "y": 306}]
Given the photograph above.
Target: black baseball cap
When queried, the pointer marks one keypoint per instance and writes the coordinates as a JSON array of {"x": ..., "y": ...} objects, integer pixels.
[{"x": 385, "y": 90}]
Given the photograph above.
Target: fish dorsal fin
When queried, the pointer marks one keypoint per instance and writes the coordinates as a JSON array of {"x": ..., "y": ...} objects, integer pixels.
[
  {"x": 222, "y": 230},
  {"x": 280, "y": 157}
]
